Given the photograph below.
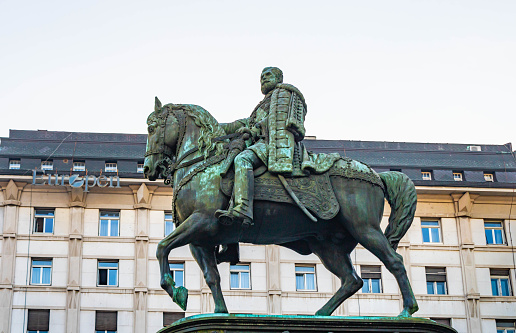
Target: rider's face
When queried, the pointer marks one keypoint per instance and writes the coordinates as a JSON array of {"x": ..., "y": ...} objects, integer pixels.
[{"x": 268, "y": 81}]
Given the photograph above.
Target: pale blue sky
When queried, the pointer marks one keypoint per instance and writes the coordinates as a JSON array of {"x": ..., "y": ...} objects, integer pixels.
[{"x": 418, "y": 71}]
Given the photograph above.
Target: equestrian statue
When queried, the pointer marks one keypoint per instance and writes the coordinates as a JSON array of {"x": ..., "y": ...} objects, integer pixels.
[{"x": 254, "y": 181}]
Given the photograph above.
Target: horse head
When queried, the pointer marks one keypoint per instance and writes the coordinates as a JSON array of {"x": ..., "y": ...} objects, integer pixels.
[{"x": 163, "y": 133}]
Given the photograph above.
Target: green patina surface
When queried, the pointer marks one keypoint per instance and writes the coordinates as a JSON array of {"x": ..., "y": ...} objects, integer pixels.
[{"x": 281, "y": 323}]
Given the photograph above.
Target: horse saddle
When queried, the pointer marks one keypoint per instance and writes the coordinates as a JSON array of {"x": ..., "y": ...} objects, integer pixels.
[{"x": 314, "y": 192}]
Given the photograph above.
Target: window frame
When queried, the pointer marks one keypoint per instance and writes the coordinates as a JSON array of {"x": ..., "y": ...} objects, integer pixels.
[
  {"x": 139, "y": 167},
  {"x": 12, "y": 166},
  {"x": 45, "y": 218},
  {"x": 498, "y": 275},
  {"x": 505, "y": 326},
  {"x": 368, "y": 280},
  {"x": 460, "y": 175},
  {"x": 489, "y": 177},
  {"x": 79, "y": 166},
  {"x": 305, "y": 274},
  {"x": 430, "y": 228},
  {"x": 47, "y": 165},
  {"x": 493, "y": 229},
  {"x": 104, "y": 324},
  {"x": 234, "y": 270},
  {"x": 174, "y": 270},
  {"x": 108, "y": 261},
  {"x": 110, "y": 219},
  {"x": 168, "y": 220},
  {"x": 437, "y": 275},
  {"x": 42, "y": 317},
  {"x": 427, "y": 174},
  {"x": 110, "y": 167},
  {"x": 41, "y": 267}
]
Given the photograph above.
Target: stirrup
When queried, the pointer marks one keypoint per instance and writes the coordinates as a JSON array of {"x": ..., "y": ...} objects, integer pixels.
[{"x": 225, "y": 217}]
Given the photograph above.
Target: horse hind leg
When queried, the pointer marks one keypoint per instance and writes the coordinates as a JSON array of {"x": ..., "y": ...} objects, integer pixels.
[
  {"x": 205, "y": 257},
  {"x": 335, "y": 257},
  {"x": 376, "y": 242}
]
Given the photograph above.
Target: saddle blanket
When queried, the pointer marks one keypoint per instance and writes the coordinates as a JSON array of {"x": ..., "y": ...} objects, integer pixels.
[{"x": 315, "y": 192}]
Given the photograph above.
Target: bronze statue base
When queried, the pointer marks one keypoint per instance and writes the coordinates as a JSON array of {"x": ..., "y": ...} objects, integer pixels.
[{"x": 242, "y": 323}]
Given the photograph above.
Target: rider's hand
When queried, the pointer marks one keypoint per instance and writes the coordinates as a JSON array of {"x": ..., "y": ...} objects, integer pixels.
[{"x": 244, "y": 129}]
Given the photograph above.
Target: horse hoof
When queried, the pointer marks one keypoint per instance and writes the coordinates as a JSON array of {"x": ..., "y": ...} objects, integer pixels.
[
  {"x": 181, "y": 297},
  {"x": 405, "y": 314}
]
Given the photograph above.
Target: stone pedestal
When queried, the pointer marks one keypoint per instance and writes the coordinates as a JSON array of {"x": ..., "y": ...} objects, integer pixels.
[{"x": 225, "y": 323}]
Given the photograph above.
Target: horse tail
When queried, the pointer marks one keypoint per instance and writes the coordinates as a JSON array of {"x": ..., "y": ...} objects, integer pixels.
[{"x": 400, "y": 193}]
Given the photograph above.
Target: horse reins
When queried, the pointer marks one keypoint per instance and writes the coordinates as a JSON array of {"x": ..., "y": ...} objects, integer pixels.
[{"x": 171, "y": 167}]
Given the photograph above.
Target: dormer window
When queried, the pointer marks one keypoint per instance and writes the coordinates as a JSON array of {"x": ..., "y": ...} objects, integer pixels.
[
  {"x": 489, "y": 176},
  {"x": 111, "y": 167},
  {"x": 14, "y": 164},
  {"x": 457, "y": 176},
  {"x": 426, "y": 175},
  {"x": 47, "y": 165}
]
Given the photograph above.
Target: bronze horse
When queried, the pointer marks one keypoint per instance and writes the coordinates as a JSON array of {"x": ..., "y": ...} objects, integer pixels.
[{"x": 182, "y": 147}]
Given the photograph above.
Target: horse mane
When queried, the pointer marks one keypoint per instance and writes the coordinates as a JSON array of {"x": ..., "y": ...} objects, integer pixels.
[{"x": 210, "y": 128}]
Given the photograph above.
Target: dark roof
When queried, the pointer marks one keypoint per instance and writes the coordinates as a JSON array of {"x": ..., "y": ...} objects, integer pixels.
[{"x": 439, "y": 158}]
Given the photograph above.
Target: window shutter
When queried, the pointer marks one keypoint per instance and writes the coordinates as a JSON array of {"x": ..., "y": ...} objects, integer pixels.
[
  {"x": 38, "y": 320},
  {"x": 105, "y": 321},
  {"x": 171, "y": 317},
  {"x": 435, "y": 274},
  {"x": 500, "y": 271},
  {"x": 444, "y": 321},
  {"x": 371, "y": 272}
]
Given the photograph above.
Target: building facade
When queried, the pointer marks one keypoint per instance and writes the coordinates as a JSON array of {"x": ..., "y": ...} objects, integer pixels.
[{"x": 78, "y": 252}]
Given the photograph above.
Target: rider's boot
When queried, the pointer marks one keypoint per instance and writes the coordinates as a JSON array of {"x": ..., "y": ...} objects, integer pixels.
[{"x": 244, "y": 194}]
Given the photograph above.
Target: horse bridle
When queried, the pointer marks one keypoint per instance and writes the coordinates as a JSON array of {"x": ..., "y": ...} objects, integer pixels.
[{"x": 167, "y": 165}]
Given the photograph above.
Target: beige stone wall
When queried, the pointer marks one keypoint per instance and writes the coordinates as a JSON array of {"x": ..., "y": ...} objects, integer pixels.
[{"x": 75, "y": 247}]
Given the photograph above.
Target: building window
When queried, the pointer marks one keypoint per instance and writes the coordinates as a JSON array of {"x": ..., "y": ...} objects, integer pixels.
[
  {"x": 14, "y": 164},
  {"x": 105, "y": 321},
  {"x": 489, "y": 176},
  {"x": 305, "y": 278},
  {"x": 170, "y": 317},
  {"x": 47, "y": 165},
  {"x": 505, "y": 326},
  {"x": 79, "y": 166},
  {"x": 109, "y": 223},
  {"x": 426, "y": 175},
  {"x": 431, "y": 231},
  {"x": 169, "y": 223},
  {"x": 44, "y": 221},
  {"x": 178, "y": 273},
  {"x": 500, "y": 284},
  {"x": 494, "y": 232},
  {"x": 240, "y": 276},
  {"x": 107, "y": 273},
  {"x": 457, "y": 176},
  {"x": 139, "y": 168},
  {"x": 38, "y": 321},
  {"x": 41, "y": 271},
  {"x": 436, "y": 280},
  {"x": 110, "y": 167},
  {"x": 372, "y": 276}
]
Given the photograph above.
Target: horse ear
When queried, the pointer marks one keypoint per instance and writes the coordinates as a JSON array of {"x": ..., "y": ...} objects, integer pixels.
[{"x": 157, "y": 104}]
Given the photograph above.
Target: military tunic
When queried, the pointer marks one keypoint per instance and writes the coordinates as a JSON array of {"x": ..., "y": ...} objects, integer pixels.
[{"x": 278, "y": 121}]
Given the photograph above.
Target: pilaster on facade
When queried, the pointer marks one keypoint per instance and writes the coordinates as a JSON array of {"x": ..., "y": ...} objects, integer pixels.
[
  {"x": 142, "y": 203},
  {"x": 77, "y": 204},
  {"x": 463, "y": 204},
  {"x": 11, "y": 201},
  {"x": 272, "y": 259}
]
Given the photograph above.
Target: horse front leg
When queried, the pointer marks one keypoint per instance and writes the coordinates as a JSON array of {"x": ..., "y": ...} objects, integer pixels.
[
  {"x": 205, "y": 257},
  {"x": 188, "y": 231}
]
